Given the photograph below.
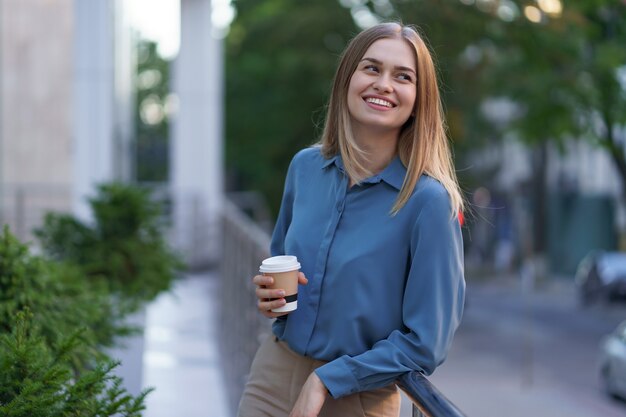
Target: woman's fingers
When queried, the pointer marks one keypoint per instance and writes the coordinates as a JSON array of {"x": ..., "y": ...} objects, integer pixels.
[
  {"x": 264, "y": 293},
  {"x": 262, "y": 280},
  {"x": 266, "y": 306},
  {"x": 269, "y": 298}
]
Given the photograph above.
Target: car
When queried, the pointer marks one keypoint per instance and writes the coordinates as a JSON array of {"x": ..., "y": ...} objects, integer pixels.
[
  {"x": 613, "y": 362},
  {"x": 602, "y": 276}
]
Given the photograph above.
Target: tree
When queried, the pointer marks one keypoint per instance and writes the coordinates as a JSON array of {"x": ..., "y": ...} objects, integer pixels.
[
  {"x": 563, "y": 65},
  {"x": 280, "y": 60},
  {"x": 572, "y": 87}
]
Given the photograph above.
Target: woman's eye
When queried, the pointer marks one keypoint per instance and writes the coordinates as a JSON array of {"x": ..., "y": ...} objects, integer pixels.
[
  {"x": 405, "y": 77},
  {"x": 373, "y": 68}
]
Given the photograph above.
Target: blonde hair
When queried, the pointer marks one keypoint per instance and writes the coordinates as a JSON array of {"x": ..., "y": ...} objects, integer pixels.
[{"x": 422, "y": 143}]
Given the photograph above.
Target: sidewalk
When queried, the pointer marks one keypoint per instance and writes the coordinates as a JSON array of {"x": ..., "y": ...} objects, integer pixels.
[{"x": 181, "y": 356}]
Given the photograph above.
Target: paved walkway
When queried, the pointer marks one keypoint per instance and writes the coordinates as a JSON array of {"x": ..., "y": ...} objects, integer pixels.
[{"x": 181, "y": 358}]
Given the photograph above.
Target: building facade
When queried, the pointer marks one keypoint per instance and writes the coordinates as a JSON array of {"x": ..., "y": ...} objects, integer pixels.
[{"x": 67, "y": 72}]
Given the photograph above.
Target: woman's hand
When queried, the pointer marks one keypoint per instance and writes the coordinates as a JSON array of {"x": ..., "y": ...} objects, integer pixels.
[
  {"x": 264, "y": 294},
  {"x": 311, "y": 398}
]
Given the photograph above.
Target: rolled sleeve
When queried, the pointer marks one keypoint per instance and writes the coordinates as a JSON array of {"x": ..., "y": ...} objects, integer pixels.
[{"x": 338, "y": 378}]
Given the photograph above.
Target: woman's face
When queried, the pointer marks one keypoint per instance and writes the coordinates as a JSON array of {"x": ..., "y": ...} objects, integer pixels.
[{"x": 382, "y": 90}]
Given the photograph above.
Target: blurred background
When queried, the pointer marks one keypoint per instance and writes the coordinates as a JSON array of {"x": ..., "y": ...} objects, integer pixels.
[{"x": 204, "y": 102}]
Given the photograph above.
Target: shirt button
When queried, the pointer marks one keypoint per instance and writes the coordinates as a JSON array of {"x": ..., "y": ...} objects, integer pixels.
[{"x": 340, "y": 206}]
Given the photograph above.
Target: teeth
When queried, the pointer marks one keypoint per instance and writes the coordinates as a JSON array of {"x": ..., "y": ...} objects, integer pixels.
[{"x": 379, "y": 102}]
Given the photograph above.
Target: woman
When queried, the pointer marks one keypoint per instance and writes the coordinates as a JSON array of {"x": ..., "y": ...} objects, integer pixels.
[{"x": 371, "y": 214}]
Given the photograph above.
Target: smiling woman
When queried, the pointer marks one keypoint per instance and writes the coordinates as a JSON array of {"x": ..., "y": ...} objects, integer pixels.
[
  {"x": 381, "y": 94},
  {"x": 370, "y": 214}
]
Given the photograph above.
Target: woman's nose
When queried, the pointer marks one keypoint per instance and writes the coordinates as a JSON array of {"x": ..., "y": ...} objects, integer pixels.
[{"x": 383, "y": 83}]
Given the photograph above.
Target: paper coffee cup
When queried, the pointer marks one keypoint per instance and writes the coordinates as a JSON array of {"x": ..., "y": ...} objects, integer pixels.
[{"x": 284, "y": 269}]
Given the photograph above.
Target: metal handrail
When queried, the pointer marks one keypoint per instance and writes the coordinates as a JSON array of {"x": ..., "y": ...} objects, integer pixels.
[{"x": 427, "y": 400}]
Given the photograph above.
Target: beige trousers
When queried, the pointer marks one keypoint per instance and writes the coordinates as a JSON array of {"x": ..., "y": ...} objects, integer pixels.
[{"x": 277, "y": 375}]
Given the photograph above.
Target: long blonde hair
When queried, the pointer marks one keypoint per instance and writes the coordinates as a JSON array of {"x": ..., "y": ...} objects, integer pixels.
[{"x": 422, "y": 143}]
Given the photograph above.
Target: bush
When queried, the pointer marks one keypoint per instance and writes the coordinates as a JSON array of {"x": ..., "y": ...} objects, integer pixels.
[
  {"x": 124, "y": 246},
  {"x": 60, "y": 301},
  {"x": 36, "y": 379}
]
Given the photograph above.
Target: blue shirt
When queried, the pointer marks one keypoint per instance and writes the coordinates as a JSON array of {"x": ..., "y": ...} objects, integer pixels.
[{"x": 385, "y": 293}]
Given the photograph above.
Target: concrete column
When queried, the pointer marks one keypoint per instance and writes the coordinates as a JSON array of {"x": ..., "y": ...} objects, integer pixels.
[
  {"x": 125, "y": 64},
  {"x": 93, "y": 117},
  {"x": 102, "y": 129},
  {"x": 196, "y": 164}
]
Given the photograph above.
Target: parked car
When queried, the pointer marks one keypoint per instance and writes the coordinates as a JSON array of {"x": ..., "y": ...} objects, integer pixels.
[
  {"x": 602, "y": 276},
  {"x": 613, "y": 362}
]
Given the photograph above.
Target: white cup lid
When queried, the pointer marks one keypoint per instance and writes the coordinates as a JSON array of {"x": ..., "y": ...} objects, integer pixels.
[{"x": 281, "y": 263}]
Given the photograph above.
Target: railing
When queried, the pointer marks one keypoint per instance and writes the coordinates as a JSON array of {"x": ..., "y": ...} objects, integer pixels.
[
  {"x": 427, "y": 400},
  {"x": 245, "y": 245},
  {"x": 243, "y": 327}
]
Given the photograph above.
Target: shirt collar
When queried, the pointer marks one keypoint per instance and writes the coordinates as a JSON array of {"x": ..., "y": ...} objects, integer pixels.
[
  {"x": 393, "y": 174},
  {"x": 332, "y": 160}
]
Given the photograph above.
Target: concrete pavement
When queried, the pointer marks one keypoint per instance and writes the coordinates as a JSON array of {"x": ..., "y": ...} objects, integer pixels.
[{"x": 181, "y": 356}]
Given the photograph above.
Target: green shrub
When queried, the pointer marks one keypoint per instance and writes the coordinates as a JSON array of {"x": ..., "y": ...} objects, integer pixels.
[
  {"x": 36, "y": 379},
  {"x": 124, "y": 246},
  {"x": 60, "y": 300}
]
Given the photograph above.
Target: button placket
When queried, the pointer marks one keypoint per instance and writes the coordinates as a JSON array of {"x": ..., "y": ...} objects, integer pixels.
[{"x": 322, "y": 257}]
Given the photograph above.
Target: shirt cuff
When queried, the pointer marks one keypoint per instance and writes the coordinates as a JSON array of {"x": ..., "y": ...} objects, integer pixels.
[{"x": 338, "y": 378}]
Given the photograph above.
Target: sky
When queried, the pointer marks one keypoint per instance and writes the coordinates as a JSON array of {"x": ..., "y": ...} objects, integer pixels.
[{"x": 159, "y": 20}]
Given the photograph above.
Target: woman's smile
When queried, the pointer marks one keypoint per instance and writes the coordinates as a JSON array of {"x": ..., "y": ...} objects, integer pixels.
[{"x": 379, "y": 103}]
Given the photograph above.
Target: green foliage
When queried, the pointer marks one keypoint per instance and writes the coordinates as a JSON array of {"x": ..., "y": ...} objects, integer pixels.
[
  {"x": 36, "y": 379},
  {"x": 59, "y": 300},
  {"x": 124, "y": 247},
  {"x": 565, "y": 73},
  {"x": 280, "y": 60}
]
